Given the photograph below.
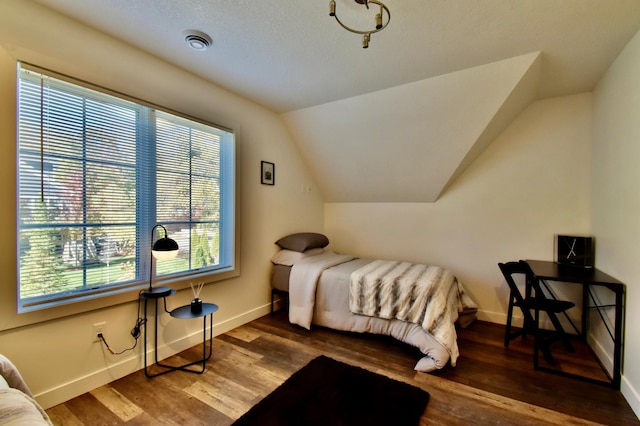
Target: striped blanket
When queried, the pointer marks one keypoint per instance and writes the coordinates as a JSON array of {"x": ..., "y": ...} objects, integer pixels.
[{"x": 428, "y": 296}]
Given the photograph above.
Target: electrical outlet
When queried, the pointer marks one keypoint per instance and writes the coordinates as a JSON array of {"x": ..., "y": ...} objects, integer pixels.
[{"x": 99, "y": 328}]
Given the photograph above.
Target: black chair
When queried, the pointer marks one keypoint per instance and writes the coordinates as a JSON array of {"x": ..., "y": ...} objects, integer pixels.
[
  {"x": 510, "y": 269},
  {"x": 534, "y": 300}
]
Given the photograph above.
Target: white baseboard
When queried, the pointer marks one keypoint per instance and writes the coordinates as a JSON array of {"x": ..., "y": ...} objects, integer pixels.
[
  {"x": 605, "y": 357},
  {"x": 115, "y": 370},
  {"x": 631, "y": 395},
  {"x": 496, "y": 317}
]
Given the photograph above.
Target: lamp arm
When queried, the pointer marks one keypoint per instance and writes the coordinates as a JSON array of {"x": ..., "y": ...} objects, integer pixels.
[{"x": 154, "y": 229}]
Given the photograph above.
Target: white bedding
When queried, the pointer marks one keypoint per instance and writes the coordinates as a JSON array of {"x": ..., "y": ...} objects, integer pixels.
[{"x": 319, "y": 294}]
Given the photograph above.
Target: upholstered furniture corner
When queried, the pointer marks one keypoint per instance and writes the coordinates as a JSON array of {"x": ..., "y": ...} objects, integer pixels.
[{"x": 17, "y": 405}]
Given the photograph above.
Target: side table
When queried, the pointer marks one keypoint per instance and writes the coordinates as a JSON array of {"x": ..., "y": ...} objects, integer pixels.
[{"x": 183, "y": 312}]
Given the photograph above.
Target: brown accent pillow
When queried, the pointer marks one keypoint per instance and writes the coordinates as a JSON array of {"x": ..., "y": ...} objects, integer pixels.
[{"x": 303, "y": 241}]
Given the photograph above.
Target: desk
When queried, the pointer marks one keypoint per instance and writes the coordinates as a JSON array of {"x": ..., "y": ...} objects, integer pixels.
[
  {"x": 183, "y": 312},
  {"x": 588, "y": 277}
]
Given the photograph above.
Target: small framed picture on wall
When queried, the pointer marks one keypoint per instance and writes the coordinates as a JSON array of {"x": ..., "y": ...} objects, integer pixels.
[{"x": 268, "y": 173}]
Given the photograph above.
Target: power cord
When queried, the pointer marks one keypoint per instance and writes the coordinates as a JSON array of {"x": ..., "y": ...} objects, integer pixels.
[
  {"x": 135, "y": 333},
  {"x": 111, "y": 351}
]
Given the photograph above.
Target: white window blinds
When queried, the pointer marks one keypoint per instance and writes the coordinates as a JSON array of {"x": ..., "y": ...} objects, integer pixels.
[{"x": 96, "y": 173}]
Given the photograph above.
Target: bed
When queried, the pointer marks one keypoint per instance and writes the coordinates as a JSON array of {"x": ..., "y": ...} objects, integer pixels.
[{"x": 348, "y": 293}]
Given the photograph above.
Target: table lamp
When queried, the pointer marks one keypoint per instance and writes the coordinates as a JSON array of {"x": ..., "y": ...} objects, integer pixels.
[{"x": 163, "y": 249}]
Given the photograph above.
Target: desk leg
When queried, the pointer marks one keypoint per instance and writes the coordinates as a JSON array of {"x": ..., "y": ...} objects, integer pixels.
[
  {"x": 617, "y": 344},
  {"x": 616, "y": 336},
  {"x": 585, "y": 310}
]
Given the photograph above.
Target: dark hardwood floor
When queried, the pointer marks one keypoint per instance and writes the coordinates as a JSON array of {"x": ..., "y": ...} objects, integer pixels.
[{"x": 490, "y": 385}]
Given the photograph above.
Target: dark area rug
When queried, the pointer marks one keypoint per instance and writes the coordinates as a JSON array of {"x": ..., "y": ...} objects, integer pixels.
[{"x": 328, "y": 392}]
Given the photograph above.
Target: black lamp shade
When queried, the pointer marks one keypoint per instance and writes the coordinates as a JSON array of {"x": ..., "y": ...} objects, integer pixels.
[
  {"x": 165, "y": 244},
  {"x": 165, "y": 249}
]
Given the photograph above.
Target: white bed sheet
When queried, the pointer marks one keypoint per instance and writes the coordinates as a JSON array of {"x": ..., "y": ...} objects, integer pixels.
[{"x": 331, "y": 309}]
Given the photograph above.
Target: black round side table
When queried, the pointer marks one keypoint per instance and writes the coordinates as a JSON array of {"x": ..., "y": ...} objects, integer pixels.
[{"x": 183, "y": 312}]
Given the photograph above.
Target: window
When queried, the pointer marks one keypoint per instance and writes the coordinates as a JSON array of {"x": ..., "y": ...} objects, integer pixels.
[{"x": 96, "y": 172}]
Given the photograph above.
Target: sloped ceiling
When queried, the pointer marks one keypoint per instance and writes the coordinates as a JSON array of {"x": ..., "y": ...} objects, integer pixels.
[
  {"x": 407, "y": 142},
  {"x": 398, "y": 121}
]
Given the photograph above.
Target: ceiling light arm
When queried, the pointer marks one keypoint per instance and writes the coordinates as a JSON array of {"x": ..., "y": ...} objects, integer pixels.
[{"x": 381, "y": 24}]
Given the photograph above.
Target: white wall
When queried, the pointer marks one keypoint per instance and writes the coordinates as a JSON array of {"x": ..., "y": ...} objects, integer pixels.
[
  {"x": 529, "y": 184},
  {"x": 57, "y": 357},
  {"x": 616, "y": 198}
]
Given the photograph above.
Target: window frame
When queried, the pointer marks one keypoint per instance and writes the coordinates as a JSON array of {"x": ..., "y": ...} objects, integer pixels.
[{"x": 120, "y": 293}]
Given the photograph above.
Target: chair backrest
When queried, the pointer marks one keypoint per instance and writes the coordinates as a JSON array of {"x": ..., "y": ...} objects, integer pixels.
[
  {"x": 509, "y": 269},
  {"x": 532, "y": 285}
]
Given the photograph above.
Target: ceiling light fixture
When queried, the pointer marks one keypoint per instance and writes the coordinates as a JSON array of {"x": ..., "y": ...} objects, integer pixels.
[
  {"x": 197, "y": 40},
  {"x": 381, "y": 24}
]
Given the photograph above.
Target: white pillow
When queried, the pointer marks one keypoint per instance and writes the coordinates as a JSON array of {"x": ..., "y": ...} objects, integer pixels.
[
  {"x": 289, "y": 257},
  {"x": 3, "y": 383}
]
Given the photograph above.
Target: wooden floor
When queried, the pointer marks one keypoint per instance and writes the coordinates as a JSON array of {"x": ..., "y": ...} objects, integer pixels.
[{"x": 490, "y": 385}]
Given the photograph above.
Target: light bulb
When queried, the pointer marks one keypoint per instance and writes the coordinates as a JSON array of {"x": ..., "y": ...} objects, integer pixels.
[{"x": 365, "y": 41}]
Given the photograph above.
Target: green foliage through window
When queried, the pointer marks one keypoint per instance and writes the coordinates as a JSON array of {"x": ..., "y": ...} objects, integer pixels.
[{"x": 96, "y": 173}]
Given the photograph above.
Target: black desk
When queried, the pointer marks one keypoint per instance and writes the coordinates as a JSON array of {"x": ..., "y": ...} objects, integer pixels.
[
  {"x": 183, "y": 312},
  {"x": 589, "y": 277}
]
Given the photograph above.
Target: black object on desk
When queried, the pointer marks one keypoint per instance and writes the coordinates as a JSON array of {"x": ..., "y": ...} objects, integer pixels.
[
  {"x": 589, "y": 277},
  {"x": 183, "y": 312}
]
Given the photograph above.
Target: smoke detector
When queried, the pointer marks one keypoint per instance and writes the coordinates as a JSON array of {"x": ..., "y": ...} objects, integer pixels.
[{"x": 197, "y": 40}]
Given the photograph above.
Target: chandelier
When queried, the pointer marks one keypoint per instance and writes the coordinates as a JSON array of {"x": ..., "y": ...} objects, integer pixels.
[{"x": 381, "y": 23}]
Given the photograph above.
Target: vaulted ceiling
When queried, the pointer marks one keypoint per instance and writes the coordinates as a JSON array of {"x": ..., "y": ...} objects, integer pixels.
[{"x": 402, "y": 119}]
